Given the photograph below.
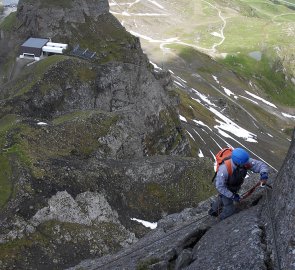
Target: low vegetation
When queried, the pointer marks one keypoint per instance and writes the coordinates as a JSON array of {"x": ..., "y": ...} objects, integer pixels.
[
  {"x": 9, "y": 22},
  {"x": 267, "y": 73}
]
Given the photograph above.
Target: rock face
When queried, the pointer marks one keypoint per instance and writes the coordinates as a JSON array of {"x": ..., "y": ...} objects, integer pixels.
[
  {"x": 86, "y": 145},
  {"x": 43, "y": 18},
  {"x": 282, "y": 211},
  {"x": 260, "y": 236}
]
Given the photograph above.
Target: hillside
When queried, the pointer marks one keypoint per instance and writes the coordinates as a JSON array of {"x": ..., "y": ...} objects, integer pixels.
[
  {"x": 87, "y": 145},
  {"x": 251, "y": 82}
]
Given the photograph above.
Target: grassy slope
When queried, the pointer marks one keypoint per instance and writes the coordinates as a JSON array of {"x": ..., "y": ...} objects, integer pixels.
[{"x": 252, "y": 25}]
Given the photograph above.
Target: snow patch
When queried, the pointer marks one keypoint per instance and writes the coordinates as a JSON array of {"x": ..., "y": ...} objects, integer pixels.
[
  {"x": 261, "y": 99},
  {"x": 203, "y": 97},
  {"x": 190, "y": 135},
  {"x": 155, "y": 65},
  {"x": 199, "y": 136},
  {"x": 202, "y": 124},
  {"x": 179, "y": 84},
  {"x": 200, "y": 154},
  {"x": 288, "y": 115},
  {"x": 228, "y": 125},
  {"x": 182, "y": 118},
  {"x": 151, "y": 225},
  {"x": 228, "y": 92},
  {"x": 255, "y": 102},
  {"x": 215, "y": 78},
  {"x": 42, "y": 124},
  {"x": 216, "y": 143},
  {"x": 181, "y": 79}
]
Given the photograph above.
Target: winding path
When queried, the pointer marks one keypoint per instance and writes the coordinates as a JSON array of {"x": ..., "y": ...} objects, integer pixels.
[{"x": 175, "y": 40}]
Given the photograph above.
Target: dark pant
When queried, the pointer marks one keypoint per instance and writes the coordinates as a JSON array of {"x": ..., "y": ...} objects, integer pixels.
[{"x": 222, "y": 206}]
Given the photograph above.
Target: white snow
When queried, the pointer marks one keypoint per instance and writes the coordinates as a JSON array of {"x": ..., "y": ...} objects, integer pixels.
[
  {"x": 171, "y": 71},
  {"x": 155, "y": 65},
  {"x": 196, "y": 99},
  {"x": 202, "y": 124},
  {"x": 200, "y": 154},
  {"x": 199, "y": 135},
  {"x": 190, "y": 135},
  {"x": 181, "y": 79},
  {"x": 182, "y": 118},
  {"x": 151, "y": 225},
  {"x": 288, "y": 115},
  {"x": 228, "y": 125},
  {"x": 42, "y": 124},
  {"x": 202, "y": 97},
  {"x": 269, "y": 135},
  {"x": 261, "y": 99},
  {"x": 229, "y": 92},
  {"x": 216, "y": 142},
  {"x": 215, "y": 78},
  {"x": 179, "y": 84},
  {"x": 255, "y": 102}
]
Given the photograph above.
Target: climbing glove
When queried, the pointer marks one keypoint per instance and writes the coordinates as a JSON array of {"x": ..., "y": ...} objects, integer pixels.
[
  {"x": 236, "y": 197},
  {"x": 264, "y": 176},
  {"x": 263, "y": 179}
]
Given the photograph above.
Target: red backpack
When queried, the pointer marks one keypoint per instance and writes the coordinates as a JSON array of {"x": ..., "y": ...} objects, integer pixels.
[{"x": 224, "y": 156}]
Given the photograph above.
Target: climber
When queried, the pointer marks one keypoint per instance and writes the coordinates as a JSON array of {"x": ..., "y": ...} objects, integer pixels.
[{"x": 229, "y": 178}]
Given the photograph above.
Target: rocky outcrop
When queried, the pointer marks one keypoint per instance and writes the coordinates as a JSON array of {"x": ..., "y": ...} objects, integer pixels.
[
  {"x": 259, "y": 236},
  {"x": 282, "y": 212},
  {"x": 87, "y": 145},
  {"x": 43, "y": 18}
]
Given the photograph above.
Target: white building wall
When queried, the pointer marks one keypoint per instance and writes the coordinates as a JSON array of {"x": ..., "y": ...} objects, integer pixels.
[
  {"x": 58, "y": 45},
  {"x": 52, "y": 49}
]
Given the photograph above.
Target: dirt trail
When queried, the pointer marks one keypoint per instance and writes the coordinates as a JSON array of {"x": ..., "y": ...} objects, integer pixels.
[{"x": 125, "y": 8}]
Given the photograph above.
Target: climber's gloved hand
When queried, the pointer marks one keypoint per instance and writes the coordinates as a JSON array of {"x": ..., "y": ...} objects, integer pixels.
[
  {"x": 263, "y": 179},
  {"x": 236, "y": 197}
]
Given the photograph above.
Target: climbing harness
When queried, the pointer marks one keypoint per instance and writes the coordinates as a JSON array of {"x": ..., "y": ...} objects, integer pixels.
[{"x": 153, "y": 242}]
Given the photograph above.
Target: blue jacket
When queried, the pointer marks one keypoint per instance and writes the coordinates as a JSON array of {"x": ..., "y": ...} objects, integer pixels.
[{"x": 254, "y": 165}]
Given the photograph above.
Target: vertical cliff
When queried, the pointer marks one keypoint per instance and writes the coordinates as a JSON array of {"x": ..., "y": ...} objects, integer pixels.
[{"x": 283, "y": 210}]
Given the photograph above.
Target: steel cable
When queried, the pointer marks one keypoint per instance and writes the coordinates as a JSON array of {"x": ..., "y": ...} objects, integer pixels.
[{"x": 153, "y": 242}]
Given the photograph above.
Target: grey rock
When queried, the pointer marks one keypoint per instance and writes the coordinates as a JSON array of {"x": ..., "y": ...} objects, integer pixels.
[
  {"x": 184, "y": 259},
  {"x": 44, "y": 18},
  {"x": 231, "y": 243},
  {"x": 280, "y": 214}
]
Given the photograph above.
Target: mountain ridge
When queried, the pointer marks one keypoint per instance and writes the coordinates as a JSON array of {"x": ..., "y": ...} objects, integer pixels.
[{"x": 74, "y": 132}]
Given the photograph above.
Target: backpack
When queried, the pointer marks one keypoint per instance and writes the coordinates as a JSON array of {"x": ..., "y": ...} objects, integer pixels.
[{"x": 224, "y": 156}]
